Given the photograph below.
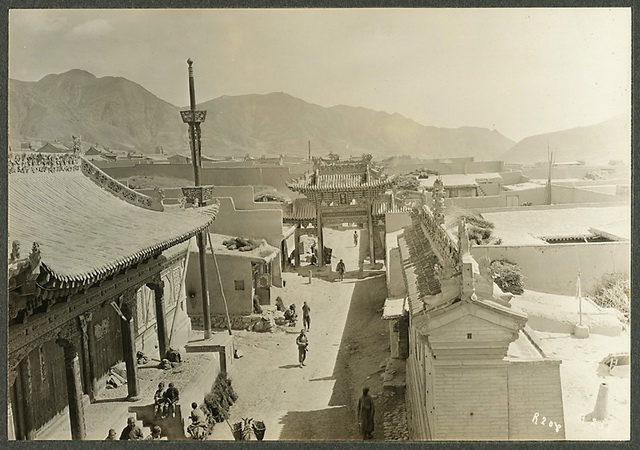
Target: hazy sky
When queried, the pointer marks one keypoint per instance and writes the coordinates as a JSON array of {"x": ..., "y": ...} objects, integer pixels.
[{"x": 521, "y": 71}]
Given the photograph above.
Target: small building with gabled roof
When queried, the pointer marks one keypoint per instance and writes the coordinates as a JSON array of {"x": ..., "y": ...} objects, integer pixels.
[
  {"x": 53, "y": 147},
  {"x": 474, "y": 369}
]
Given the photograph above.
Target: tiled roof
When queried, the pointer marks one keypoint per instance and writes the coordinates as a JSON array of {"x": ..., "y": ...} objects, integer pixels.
[
  {"x": 418, "y": 261},
  {"x": 336, "y": 182},
  {"x": 87, "y": 234}
]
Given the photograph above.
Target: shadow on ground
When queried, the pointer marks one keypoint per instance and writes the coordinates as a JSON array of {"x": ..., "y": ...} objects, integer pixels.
[
  {"x": 172, "y": 427},
  {"x": 364, "y": 346}
]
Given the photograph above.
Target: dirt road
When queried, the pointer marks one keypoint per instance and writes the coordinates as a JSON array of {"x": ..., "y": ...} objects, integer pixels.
[{"x": 347, "y": 344}]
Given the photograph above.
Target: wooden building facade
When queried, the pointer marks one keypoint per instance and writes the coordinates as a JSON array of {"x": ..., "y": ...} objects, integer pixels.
[{"x": 80, "y": 300}]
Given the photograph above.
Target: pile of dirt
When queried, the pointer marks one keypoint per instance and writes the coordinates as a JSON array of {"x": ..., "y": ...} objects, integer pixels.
[{"x": 242, "y": 244}]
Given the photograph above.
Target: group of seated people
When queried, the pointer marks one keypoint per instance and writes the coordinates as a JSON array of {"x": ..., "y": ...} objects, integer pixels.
[
  {"x": 290, "y": 315},
  {"x": 164, "y": 402},
  {"x": 133, "y": 432}
]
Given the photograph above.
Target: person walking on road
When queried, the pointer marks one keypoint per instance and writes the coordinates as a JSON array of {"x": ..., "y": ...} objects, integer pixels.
[
  {"x": 340, "y": 268},
  {"x": 355, "y": 238},
  {"x": 366, "y": 412},
  {"x": 306, "y": 316},
  {"x": 303, "y": 344}
]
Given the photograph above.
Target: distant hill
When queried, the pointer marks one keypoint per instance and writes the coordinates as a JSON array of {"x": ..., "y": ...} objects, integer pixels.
[
  {"x": 279, "y": 123},
  {"x": 596, "y": 144},
  {"x": 117, "y": 113},
  {"x": 113, "y": 112}
]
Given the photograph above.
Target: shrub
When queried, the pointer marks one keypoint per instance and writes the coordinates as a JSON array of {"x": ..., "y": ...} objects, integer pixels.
[
  {"x": 508, "y": 276},
  {"x": 614, "y": 292},
  {"x": 478, "y": 229},
  {"x": 477, "y": 221},
  {"x": 407, "y": 183},
  {"x": 218, "y": 401}
]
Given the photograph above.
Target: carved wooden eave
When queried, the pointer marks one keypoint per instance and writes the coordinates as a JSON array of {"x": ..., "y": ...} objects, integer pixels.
[
  {"x": 22, "y": 280},
  {"x": 61, "y": 321},
  {"x": 198, "y": 195}
]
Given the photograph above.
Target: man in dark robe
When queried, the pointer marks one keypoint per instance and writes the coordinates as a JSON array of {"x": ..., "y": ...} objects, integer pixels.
[
  {"x": 306, "y": 316},
  {"x": 340, "y": 268},
  {"x": 366, "y": 411},
  {"x": 131, "y": 432}
]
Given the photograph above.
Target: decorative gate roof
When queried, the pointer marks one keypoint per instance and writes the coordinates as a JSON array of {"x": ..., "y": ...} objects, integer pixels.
[
  {"x": 342, "y": 176},
  {"x": 338, "y": 182}
]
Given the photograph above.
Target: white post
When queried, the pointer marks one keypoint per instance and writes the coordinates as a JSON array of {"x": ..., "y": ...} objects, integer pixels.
[
  {"x": 580, "y": 331},
  {"x": 600, "y": 411},
  {"x": 579, "y": 293}
]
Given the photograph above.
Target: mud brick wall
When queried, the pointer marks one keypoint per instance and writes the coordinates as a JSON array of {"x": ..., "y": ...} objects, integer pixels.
[
  {"x": 534, "y": 387},
  {"x": 471, "y": 402}
]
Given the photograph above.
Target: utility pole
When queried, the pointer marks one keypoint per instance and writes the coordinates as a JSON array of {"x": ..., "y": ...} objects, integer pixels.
[
  {"x": 309, "y": 149},
  {"x": 194, "y": 118}
]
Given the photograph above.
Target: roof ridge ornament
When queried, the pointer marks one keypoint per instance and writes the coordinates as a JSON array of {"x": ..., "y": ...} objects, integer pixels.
[
  {"x": 123, "y": 192},
  {"x": 34, "y": 162}
]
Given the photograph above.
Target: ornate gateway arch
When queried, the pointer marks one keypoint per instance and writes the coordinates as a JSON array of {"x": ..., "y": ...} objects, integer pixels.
[{"x": 339, "y": 194}]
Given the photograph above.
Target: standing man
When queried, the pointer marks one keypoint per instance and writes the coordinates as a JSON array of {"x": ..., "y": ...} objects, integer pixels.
[
  {"x": 366, "y": 411},
  {"x": 306, "y": 316},
  {"x": 355, "y": 238},
  {"x": 340, "y": 268},
  {"x": 303, "y": 343}
]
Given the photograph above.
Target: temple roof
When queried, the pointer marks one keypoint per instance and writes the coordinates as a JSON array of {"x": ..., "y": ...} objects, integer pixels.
[
  {"x": 338, "y": 182},
  {"x": 85, "y": 232},
  {"x": 418, "y": 261}
]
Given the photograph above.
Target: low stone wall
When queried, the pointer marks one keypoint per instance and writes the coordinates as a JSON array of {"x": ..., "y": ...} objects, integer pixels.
[
  {"x": 395, "y": 422},
  {"x": 253, "y": 322}
]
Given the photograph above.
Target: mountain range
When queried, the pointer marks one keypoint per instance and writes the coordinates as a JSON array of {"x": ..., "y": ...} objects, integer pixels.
[
  {"x": 122, "y": 115},
  {"x": 598, "y": 144}
]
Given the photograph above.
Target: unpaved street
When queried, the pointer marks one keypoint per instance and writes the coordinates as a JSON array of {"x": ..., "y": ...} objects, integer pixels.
[{"x": 348, "y": 343}]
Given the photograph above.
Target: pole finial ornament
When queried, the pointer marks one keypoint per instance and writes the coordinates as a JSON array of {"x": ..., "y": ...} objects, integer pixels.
[{"x": 190, "y": 62}]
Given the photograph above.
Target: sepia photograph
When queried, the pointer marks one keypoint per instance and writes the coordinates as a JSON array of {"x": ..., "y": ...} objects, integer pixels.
[{"x": 444, "y": 194}]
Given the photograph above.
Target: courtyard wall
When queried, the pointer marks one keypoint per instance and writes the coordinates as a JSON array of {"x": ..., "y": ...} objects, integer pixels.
[
  {"x": 275, "y": 176},
  {"x": 553, "y": 268}
]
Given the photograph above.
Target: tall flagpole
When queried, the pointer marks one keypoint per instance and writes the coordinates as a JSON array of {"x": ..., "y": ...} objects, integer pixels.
[{"x": 194, "y": 118}]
